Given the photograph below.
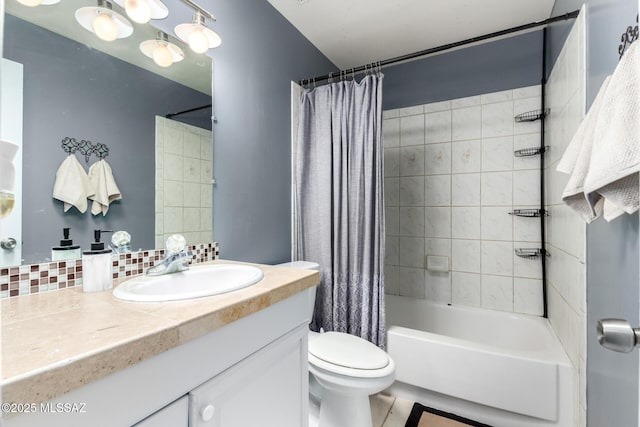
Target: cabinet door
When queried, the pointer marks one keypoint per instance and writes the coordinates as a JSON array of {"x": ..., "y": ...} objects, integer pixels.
[
  {"x": 267, "y": 389},
  {"x": 175, "y": 414}
]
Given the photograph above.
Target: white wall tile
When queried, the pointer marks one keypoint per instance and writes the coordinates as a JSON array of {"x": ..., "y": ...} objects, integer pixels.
[
  {"x": 465, "y": 222},
  {"x": 192, "y": 195},
  {"x": 412, "y": 191},
  {"x": 437, "y": 127},
  {"x": 392, "y": 220},
  {"x": 206, "y": 219},
  {"x": 526, "y": 188},
  {"x": 192, "y": 170},
  {"x": 412, "y": 160},
  {"x": 438, "y": 286},
  {"x": 206, "y": 195},
  {"x": 437, "y": 222},
  {"x": 489, "y": 98},
  {"x": 465, "y": 256},
  {"x": 497, "y": 154},
  {"x": 497, "y": 258},
  {"x": 465, "y": 189},
  {"x": 411, "y": 282},
  {"x": 497, "y": 292},
  {"x": 437, "y": 106},
  {"x": 437, "y": 159},
  {"x": 206, "y": 171},
  {"x": 191, "y": 219},
  {"x": 466, "y": 123},
  {"x": 391, "y": 132},
  {"x": 173, "y": 167},
  {"x": 465, "y": 289},
  {"x": 412, "y": 221},
  {"x": 411, "y": 111},
  {"x": 173, "y": 193},
  {"x": 470, "y": 101},
  {"x": 526, "y": 105},
  {"x": 412, "y": 252},
  {"x": 391, "y": 162},
  {"x": 530, "y": 140},
  {"x": 524, "y": 267},
  {"x": 391, "y": 280},
  {"x": 527, "y": 296},
  {"x": 392, "y": 191},
  {"x": 496, "y": 189},
  {"x": 392, "y": 252},
  {"x": 496, "y": 223},
  {"x": 437, "y": 190},
  {"x": 526, "y": 92},
  {"x": 173, "y": 219},
  {"x": 391, "y": 114},
  {"x": 438, "y": 247},
  {"x": 412, "y": 130},
  {"x": 526, "y": 229},
  {"x": 466, "y": 156},
  {"x": 497, "y": 119}
]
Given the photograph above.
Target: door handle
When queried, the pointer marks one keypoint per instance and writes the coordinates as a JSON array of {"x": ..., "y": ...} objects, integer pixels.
[
  {"x": 617, "y": 335},
  {"x": 9, "y": 243}
]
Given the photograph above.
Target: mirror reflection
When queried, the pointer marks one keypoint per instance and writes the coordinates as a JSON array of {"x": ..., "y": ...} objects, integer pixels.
[{"x": 70, "y": 87}]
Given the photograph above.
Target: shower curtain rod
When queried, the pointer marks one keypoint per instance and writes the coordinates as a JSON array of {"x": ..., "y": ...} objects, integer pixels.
[
  {"x": 170, "y": 115},
  {"x": 378, "y": 64}
]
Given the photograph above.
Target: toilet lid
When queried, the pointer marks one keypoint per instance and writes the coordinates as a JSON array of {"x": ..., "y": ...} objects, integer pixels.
[{"x": 348, "y": 351}]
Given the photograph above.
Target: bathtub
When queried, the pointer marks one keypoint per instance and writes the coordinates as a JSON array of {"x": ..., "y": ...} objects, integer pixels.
[{"x": 499, "y": 368}]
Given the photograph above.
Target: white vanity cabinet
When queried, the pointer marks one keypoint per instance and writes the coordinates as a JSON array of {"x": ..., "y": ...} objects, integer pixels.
[{"x": 251, "y": 372}]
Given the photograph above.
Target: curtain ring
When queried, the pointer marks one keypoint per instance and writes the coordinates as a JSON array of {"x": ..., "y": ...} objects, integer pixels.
[{"x": 314, "y": 82}]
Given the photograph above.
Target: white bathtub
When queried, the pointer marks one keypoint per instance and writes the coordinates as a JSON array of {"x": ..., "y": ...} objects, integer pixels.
[{"x": 499, "y": 368}]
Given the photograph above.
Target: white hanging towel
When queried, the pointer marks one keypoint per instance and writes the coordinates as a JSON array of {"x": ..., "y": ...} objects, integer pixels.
[
  {"x": 72, "y": 184},
  {"x": 604, "y": 155},
  {"x": 106, "y": 190}
]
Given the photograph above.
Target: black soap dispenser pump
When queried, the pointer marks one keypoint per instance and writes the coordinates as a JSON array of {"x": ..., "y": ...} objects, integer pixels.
[
  {"x": 96, "y": 266},
  {"x": 67, "y": 250}
]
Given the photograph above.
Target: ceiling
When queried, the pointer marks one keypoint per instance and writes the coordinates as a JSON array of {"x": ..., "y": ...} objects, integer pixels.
[{"x": 356, "y": 32}]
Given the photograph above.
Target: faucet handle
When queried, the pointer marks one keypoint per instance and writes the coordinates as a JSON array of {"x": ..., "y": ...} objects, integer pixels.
[{"x": 175, "y": 244}]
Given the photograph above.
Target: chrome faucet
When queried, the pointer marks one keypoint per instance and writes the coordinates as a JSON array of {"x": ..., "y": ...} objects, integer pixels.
[{"x": 177, "y": 258}]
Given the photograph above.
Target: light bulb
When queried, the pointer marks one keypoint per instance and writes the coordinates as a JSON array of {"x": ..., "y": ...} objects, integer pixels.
[
  {"x": 161, "y": 55},
  {"x": 104, "y": 27},
  {"x": 198, "y": 41},
  {"x": 30, "y": 3},
  {"x": 138, "y": 10}
]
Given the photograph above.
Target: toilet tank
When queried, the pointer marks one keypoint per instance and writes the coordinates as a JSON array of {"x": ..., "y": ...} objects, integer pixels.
[{"x": 306, "y": 265}]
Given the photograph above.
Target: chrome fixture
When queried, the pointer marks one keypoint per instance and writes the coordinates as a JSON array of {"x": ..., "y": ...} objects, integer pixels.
[
  {"x": 197, "y": 35},
  {"x": 163, "y": 52},
  {"x": 104, "y": 22},
  {"x": 142, "y": 11},
  {"x": 617, "y": 335},
  {"x": 177, "y": 259}
]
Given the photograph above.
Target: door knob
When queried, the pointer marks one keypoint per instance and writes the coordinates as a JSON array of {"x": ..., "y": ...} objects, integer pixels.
[
  {"x": 617, "y": 335},
  {"x": 9, "y": 243}
]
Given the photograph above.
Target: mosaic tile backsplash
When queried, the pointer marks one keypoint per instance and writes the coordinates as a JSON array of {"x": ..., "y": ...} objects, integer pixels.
[{"x": 50, "y": 276}]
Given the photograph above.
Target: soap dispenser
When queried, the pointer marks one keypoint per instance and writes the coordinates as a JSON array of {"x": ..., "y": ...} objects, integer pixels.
[
  {"x": 67, "y": 250},
  {"x": 96, "y": 266}
]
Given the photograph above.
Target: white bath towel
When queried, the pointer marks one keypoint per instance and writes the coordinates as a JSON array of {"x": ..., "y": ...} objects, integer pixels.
[
  {"x": 72, "y": 184},
  {"x": 603, "y": 157},
  {"x": 106, "y": 190}
]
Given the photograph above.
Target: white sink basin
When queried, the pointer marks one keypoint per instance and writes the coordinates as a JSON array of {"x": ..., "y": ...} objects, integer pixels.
[{"x": 193, "y": 283}]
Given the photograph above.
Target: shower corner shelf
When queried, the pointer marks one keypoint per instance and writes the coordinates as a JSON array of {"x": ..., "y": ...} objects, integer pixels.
[
  {"x": 532, "y": 116},
  {"x": 528, "y": 152},
  {"x": 529, "y": 213},
  {"x": 531, "y": 253}
]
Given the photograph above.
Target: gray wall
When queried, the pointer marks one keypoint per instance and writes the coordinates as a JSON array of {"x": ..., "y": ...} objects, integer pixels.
[
  {"x": 612, "y": 248},
  {"x": 260, "y": 54},
  {"x": 490, "y": 67},
  {"x": 63, "y": 82}
]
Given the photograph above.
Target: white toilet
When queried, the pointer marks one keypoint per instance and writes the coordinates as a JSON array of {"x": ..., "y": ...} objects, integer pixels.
[{"x": 345, "y": 370}]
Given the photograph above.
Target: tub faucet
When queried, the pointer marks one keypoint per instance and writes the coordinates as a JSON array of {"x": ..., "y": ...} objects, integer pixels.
[{"x": 173, "y": 263}]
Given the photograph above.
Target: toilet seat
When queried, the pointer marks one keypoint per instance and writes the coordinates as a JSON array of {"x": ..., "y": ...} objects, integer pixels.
[{"x": 349, "y": 355}]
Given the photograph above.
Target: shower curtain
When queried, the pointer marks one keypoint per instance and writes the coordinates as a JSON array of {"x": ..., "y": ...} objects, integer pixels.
[{"x": 340, "y": 205}]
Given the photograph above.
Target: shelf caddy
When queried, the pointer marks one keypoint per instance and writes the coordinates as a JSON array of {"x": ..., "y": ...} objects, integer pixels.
[
  {"x": 529, "y": 213},
  {"x": 532, "y": 116},
  {"x": 528, "y": 152},
  {"x": 531, "y": 253}
]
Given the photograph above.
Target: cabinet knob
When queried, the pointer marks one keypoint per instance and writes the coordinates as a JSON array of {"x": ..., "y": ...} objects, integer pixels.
[{"x": 207, "y": 413}]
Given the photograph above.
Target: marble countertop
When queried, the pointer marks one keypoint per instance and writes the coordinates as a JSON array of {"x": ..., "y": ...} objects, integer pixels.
[{"x": 57, "y": 341}]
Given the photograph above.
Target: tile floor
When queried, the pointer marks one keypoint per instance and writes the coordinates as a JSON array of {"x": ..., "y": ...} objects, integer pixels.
[{"x": 389, "y": 411}]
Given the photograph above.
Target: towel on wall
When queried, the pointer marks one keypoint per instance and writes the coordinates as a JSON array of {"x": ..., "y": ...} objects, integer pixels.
[
  {"x": 106, "y": 190},
  {"x": 72, "y": 185},
  {"x": 603, "y": 157}
]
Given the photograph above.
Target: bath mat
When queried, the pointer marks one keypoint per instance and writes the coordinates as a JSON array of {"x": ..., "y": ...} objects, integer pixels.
[{"x": 423, "y": 416}]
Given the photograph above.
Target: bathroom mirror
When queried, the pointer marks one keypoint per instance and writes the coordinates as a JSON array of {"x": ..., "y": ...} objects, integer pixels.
[{"x": 78, "y": 86}]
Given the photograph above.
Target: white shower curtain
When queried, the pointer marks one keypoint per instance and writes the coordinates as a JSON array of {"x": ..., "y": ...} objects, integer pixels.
[{"x": 340, "y": 204}]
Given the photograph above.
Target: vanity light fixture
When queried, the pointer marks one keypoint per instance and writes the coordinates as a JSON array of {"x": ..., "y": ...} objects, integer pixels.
[
  {"x": 34, "y": 3},
  {"x": 197, "y": 35},
  {"x": 142, "y": 11},
  {"x": 104, "y": 22},
  {"x": 161, "y": 50}
]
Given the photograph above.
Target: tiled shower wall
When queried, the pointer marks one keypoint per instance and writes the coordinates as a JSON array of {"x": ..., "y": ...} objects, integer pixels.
[
  {"x": 451, "y": 180},
  {"x": 184, "y": 164},
  {"x": 566, "y": 232}
]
